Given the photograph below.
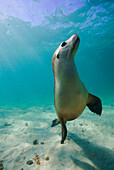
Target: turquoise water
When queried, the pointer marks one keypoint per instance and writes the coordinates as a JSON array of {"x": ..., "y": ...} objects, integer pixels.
[{"x": 31, "y": 31}]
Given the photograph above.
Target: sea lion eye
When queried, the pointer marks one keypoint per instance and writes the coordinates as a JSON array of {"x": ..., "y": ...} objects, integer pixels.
[
  {"x": 58, "y": 55},
  {"x": 63, "y": 44}
]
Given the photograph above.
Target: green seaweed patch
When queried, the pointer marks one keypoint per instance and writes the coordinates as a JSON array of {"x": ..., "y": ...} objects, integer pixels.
[
  {"x": 7, "y": 124},
  {"x": 1, "y": 165},
  {"x": 35, "y": 142},
  {"x": 30, "y": 162}
]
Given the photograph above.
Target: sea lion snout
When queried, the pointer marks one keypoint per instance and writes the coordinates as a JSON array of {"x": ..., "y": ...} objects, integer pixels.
[
  {"x": 75, "y": 35},
  {"x": 75, "y": 38},
  {"x": 75, "y": 41}
]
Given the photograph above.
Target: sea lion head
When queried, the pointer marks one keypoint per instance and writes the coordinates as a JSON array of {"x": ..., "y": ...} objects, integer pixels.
[{"x": 65, "y": 51}]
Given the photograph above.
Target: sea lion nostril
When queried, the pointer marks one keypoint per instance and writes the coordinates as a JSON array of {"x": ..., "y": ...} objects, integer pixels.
[{"x": 63, "y": 44}]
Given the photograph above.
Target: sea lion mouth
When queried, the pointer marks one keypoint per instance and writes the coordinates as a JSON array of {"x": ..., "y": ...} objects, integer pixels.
[{"x": 78, "y": 39}]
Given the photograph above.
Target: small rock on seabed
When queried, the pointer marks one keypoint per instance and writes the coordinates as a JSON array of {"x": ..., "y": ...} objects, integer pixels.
[
  {"x": 46, "y": 157},
  {"x": 30, "y": 162}
]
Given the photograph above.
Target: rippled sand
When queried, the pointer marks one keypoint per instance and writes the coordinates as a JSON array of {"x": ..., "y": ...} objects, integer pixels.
[{"x": 89, "y": 143}]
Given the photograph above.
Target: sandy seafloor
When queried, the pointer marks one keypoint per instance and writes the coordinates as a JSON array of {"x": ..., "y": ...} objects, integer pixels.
[{"x": 89, "y": 144}]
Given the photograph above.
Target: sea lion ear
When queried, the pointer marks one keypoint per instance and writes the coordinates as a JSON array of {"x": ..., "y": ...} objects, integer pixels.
[{"x": 58, "y": 55}]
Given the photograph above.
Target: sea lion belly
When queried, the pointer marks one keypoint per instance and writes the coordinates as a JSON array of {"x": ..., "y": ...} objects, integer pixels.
[{"x": 70, "y": 96}]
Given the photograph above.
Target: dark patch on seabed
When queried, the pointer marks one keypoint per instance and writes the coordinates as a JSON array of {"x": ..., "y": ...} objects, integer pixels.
[{"x": 101, "y": 157}]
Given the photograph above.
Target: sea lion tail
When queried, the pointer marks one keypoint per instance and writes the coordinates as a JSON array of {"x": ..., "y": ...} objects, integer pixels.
[{"x": 94, "y": 104}]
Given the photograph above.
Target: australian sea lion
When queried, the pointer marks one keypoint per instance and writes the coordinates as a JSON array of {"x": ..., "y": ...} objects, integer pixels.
[{"x": 70, "y": 95}]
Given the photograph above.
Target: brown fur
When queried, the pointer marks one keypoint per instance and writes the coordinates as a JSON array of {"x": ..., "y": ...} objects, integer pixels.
[{"x": 70, "y": 94}]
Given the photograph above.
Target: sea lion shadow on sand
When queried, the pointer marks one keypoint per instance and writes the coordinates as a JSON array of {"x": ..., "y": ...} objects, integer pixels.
[{"x": 101, "y": 157}]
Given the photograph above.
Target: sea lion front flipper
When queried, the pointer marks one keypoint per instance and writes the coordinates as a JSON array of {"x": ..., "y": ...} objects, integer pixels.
[
  {"x": 94, "y": 104},
  {"x": 55, "y": 122}
]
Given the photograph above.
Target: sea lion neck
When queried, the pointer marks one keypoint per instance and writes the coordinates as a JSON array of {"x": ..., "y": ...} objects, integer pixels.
[{"x": 66, "y": 70}]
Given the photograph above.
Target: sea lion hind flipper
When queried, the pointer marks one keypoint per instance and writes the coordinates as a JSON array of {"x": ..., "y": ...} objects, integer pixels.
[
  {"x": 55, "y": 122},
  {"x": 64, "y": 131},
  {"x": 94, "y": 104}
]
